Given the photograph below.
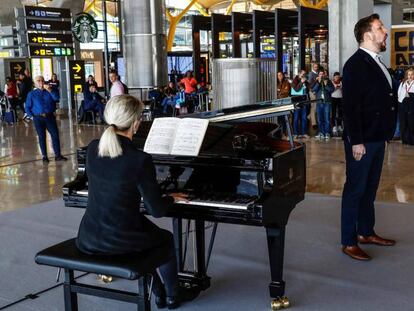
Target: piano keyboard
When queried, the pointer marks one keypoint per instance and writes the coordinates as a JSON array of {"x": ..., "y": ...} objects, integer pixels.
[{"x": 232, "y": 201}]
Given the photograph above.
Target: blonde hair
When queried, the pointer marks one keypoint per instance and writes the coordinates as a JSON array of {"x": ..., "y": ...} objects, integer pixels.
[
  {"x": 120, "y": 112},
  {"x": 406, "y": 73}
]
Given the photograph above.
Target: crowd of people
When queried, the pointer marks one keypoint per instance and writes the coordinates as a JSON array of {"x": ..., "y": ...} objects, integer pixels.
[{"x": 324, "y": 117}]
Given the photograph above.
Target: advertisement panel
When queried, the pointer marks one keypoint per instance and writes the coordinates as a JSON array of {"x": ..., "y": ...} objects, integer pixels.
[{"x": 402, "y": 46}]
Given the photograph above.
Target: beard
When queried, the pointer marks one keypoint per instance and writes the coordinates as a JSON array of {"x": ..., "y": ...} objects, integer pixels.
[{"x": 383, "y": 46}]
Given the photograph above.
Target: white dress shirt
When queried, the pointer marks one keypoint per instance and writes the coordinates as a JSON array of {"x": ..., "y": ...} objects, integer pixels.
[{"x": 377, "y": 59}]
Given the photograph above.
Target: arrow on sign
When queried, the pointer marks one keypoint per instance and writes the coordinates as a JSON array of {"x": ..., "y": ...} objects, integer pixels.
[
  {"x": 31, "y": 12},
  {"x": 77, "y": 68},
  {"x": 36, "y": 52},
  {"x": 18, "y": 67},
  {"x": 34, "y": 39}
]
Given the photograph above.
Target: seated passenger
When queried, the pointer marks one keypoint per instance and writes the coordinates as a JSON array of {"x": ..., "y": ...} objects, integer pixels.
[
  {"x": 169, "y": 100},
  {"x": 93, "y": 101},
  {"x": 119, "y": 175}
]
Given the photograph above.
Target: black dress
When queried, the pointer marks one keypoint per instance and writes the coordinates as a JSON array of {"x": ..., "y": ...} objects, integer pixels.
[
  {"x": 112, "y": 223},
  {"x": 406, "y": 112}
]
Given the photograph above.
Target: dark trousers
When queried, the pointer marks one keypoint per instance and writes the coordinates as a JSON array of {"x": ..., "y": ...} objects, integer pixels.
[
  {"x": 300, "y": 117},
  {"x": 336, "y": 111},
  {"x": 47, "y": 123},
  {"x": 406, "y": 116},
  {"x": 14, "y": 102},
  {"x": 168, "y": 270},
  {"x": 360, "y": 189}
]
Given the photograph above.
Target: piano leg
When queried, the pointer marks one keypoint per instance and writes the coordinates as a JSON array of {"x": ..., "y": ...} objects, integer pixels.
[
  {"x": 276, "y": 247},
  {"x": 178, "y": 241},
  {"x": 198, "y": 277}
]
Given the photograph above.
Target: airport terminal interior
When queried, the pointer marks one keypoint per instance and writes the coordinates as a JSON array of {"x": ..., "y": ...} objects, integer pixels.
[{"x": 261, "y": 226}]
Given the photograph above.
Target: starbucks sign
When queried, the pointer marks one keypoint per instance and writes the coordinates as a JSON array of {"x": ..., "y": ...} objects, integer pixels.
[{"x": 84, "y": 28}]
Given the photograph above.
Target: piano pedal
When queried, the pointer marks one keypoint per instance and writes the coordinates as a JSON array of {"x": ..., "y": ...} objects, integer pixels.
[
  {"x": 105, "y": 278},
  {"x": 280, "y": 303}
]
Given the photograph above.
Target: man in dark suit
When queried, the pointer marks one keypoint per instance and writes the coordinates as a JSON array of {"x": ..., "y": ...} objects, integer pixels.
[{"x": 370, "y": 110}]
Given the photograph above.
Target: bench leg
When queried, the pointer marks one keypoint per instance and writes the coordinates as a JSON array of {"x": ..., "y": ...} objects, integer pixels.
[
  {"x": 143, "y": 303},
  {"x": 71, "y": 299}
]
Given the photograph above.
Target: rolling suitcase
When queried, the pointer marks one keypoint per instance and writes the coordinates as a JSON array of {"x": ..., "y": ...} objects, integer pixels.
[{"x": 9, "y": 115}]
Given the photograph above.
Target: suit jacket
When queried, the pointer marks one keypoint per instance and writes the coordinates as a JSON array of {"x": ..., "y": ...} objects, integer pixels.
[
  {"x": 369, "y": 102},
  {"x": 112, "y": 223}
]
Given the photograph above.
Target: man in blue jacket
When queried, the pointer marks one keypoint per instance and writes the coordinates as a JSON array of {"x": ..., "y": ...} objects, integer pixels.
[
  {"x": 41, "y": 105},
  {"x": 94, "y": 102}
]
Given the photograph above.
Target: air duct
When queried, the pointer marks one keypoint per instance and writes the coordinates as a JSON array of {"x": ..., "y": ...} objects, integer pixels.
[{"x": 144, "y": 43}]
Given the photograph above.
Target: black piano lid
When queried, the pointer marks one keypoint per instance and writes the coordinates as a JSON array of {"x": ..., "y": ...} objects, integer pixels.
[{"x": 218, "y": 142}]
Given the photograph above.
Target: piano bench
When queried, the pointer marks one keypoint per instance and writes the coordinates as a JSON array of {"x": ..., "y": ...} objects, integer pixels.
[{"x": 135, "y": 266}]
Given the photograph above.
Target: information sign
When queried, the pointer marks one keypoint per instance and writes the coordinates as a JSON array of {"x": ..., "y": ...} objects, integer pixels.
[
  {"x": 77, "y": 75},
  {"x": 39, "y": 38},
  {"x": 50, "y": 51},
  {"x": 47, "y": 25},
  {"x": 36, "y": 11}
]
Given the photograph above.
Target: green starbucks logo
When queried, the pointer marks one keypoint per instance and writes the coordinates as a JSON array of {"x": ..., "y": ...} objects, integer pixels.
[{"x": 84, "y": 28}]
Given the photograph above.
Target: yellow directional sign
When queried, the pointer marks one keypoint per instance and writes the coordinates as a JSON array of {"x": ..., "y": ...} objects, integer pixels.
[
  {"x": 78, "y": 88},
  {"x": 49, "y": 38},
  {"x": 17, "y": 67},
  {"x": 77, "y": 68}
]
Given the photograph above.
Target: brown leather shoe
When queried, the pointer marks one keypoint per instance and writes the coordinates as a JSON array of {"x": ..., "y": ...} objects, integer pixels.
[
  {"x": 375, "y": 239},
  {"x": 356, "y": 252}
]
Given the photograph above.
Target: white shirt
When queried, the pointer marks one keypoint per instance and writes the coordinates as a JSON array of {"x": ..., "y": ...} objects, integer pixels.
[
  {"x": 117, "y": 89},
  {"x": 404, "y": 89},
  {"x": 377, "y": 59},
  {"x": 338, "y": 91}
]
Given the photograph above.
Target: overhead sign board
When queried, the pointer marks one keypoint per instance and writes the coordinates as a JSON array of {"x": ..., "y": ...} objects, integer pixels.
[
  {"x": 47, "y": 25},
  {"x": 50, "y": 51},
  {"x": 6, "y": 31},
  {"x": 39, "y": 38},
  {"x": 6, "y": 53},
  {"x": 16, "y": 68},
  {"x": 77, "y": 75},
  {"x": 402, "y": 46},
  {"x": 45, "y": 12},
  {"x": 8, "y": 41}
]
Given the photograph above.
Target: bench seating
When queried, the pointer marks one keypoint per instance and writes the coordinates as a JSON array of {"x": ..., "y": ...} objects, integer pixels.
[{"x": 134, "y": 266}]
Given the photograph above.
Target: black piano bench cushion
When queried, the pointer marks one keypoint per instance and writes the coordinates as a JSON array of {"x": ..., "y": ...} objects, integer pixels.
[{"x": 129, "y": 266}]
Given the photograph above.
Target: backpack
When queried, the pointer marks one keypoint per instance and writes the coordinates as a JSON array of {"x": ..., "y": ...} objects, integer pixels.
[{"x": 126, "y": 91}]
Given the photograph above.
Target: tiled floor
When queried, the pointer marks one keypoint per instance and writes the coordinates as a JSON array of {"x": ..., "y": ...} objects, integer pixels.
[{"x": 25, "y": 180}]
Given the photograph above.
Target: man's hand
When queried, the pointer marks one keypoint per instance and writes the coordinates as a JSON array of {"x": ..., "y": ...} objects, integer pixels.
[
  {"x": 358, "y": 151},
  {"x": 179, "y": 196}
]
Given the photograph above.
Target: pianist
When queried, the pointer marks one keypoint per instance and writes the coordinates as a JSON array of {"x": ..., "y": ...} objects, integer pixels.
[{"x": 119, "y": 174}]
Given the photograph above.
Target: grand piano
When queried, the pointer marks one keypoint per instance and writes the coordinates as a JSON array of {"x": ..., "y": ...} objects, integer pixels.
[{"x": 244, "y": 174}]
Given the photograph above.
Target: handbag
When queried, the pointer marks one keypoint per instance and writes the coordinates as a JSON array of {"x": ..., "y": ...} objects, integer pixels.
[{"x": 293, "y": 92}]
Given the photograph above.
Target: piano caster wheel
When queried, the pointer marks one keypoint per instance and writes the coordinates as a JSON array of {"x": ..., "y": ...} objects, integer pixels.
[
  {"x": 285, "y": 302},
  {"x": 280, "y": 303},
  {"x": 105, "y": 278}
]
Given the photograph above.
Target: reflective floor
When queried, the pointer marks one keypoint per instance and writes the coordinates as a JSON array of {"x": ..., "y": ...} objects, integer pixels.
[{"x": 25, "y": 180}]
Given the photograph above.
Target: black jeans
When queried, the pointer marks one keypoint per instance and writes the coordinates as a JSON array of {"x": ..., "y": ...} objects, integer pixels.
[{"x": 336, "y": 119}]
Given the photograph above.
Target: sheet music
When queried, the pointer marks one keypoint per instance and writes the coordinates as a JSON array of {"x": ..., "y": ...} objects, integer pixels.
[
  {"x": 176, "y": 136},
  {"x": 189, "y": 136},
  {"x": 161, "y": 136}
]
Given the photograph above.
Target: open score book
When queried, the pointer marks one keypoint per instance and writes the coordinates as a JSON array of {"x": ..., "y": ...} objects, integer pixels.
[{"x": 176, "y": 136}]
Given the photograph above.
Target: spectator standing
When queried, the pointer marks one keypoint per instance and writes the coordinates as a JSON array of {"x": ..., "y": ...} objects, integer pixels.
[
  {"x": 10, "y": 89},
  {"x": 337, "y": 105},
  {"x": 117, "y": 87},
  {"x": 283, "y": 90},
  {"x": 406, "y": 108},
  {"x": 323, "y": 89},
  {"x": 25, "y": 85},
  {"x": 54, "y": 82},
  {"x": 300, "y": 86},
  {"x": 312, "y": 79},
  {"x": 41, "y": 105}
]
